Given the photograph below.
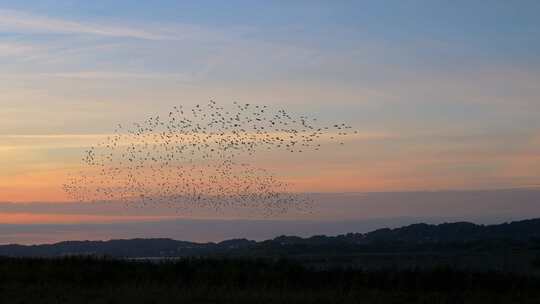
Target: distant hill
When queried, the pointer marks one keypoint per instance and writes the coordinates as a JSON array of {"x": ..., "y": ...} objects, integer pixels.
[{"x": 448, "y": 237}]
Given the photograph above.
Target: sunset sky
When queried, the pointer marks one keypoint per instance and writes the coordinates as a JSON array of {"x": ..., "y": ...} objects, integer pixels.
[{"x": 445, "y": 94}]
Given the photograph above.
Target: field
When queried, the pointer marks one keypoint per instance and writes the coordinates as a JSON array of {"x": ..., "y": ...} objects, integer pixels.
[{"x": 220, "y": 280}]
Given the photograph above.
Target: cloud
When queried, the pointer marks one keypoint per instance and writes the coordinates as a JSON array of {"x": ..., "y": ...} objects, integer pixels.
[
  {"x": 56, "y": 136},
  {"x": 22, "y": 22},
  {"x": 112, "y": 75},
  {"x": 11, "y": 48},
  {"x": 48, "y": 141},
  {"x": 32, "y": 218},
  {"x": 517, "y": 203}
]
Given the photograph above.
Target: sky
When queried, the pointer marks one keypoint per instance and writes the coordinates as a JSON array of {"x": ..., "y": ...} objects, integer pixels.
[{"x": 444, "y": 94}]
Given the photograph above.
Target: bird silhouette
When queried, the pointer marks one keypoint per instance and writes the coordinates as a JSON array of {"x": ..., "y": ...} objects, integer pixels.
[{"x": 200, "y": 158}]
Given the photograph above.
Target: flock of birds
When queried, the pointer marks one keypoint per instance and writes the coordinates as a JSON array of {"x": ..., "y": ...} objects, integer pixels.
[{"x": 201, "y": 157}]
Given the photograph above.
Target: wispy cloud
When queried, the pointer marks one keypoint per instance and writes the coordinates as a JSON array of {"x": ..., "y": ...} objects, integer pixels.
[
  {"x": 48, "y": 141},
  {"x": 55, "y": 136},
  {"x": 23, "y": 22},
  {"x": 16, "y": 21},
  {"x": 55, "y": 141},
  {"x": 102, "y": 75},
  {"x": 11, "y": 48},
  {"x": 118, "y": 75},
  {"x": 28, "y": 218}
]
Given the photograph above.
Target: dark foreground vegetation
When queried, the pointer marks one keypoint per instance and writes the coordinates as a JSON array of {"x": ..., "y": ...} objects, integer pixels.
[{"x": 246, "y": 280}]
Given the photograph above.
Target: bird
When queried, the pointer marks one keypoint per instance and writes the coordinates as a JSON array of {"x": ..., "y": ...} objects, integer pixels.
[{"x": 201, "y": 157}]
